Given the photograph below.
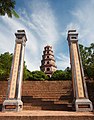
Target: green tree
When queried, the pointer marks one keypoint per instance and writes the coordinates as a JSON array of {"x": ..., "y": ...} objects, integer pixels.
[
  {"x": 5, "y": 65},
  {"x": 61, "y": 75},
  {"x": 68, "y": 73},
  {"x": 39, "y": 75},
  {"x": 7, "y": 7},
  {"x": 27, "y": 75},
  {"x": 87, "y": 56}
]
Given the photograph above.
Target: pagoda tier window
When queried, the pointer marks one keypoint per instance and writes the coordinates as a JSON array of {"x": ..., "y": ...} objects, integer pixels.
[
  {"x": 47, "y": 62},
  {"x": 48, "y": 69}
]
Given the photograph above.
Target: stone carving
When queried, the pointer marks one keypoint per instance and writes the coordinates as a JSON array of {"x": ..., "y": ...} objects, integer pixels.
[
  {"x": 82, "y": 103},
  {"x": 13, "y": 99}
]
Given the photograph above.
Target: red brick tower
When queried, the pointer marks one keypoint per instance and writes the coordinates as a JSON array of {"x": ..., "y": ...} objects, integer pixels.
[{"x": 48, "y": 62}]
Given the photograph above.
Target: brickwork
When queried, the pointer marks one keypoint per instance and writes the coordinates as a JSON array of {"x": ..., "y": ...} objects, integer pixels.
[
  {"x": 46, "y": 95},
  {"x": 43, "y": 95}
]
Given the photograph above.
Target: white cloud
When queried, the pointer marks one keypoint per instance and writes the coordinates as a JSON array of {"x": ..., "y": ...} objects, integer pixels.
[
  {"x": 84, "y": 22},
  {"x": 8, "y": 40},
  {"x": 72, "y": 26},
  {"x": 41, "y": 29},
  {"x": 63, "y": 61},
  {"x": 41, "y": 21}
]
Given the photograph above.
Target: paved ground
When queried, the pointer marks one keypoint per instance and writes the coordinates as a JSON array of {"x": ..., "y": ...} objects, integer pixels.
[{"x": 46, "y": 113}]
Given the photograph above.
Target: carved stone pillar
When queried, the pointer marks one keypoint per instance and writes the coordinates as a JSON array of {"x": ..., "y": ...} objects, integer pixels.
[
  {"x": 13, "y": 100},
  {"x": 82, "y": 103}
]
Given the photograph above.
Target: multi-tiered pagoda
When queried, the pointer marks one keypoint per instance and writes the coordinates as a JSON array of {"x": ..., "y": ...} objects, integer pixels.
[{"x": 48, "y": 62}]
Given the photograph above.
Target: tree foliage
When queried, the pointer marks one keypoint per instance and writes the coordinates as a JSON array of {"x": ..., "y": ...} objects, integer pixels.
[
  {"x": 26, "y": 73},
  {"x": 39, "y": 75},
  {"x": 57, "y": 75},
  {"x": 87, "y": 56},
  {"x": 34, "y": 75},
  {"x": 68, "y": 73},
  {"x": 7, "y": 7},
  {"x": 5, "y": 65},
  {"x": 62, "y": 75}
]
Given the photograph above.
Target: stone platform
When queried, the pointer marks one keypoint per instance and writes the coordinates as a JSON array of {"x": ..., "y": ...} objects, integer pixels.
[{"x": 46, "y": 115}]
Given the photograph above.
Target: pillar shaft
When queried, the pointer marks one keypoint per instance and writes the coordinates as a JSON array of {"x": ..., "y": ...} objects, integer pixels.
[
  {"x": 13, "y": 100},
  {"x": 82, "y": 103},
  {"x": 20, "y": 76}
]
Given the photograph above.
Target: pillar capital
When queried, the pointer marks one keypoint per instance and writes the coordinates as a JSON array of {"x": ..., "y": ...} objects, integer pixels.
[
  {"x": 21, "y": 36},
  {"x": 72, "y": 36}
]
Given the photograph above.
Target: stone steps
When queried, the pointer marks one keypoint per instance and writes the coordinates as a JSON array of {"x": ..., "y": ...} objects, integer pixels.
[
  {"x": 46, "y": 115},
  {"x": 28, "y": 107},
  {"x": 64, "y": 107},
  {"x": 46, "y": 102},
  {"x": 44, "y": 95}
]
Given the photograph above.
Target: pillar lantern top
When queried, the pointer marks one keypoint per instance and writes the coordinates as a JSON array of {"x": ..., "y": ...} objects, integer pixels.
[
  {"x": 20, "y": 34},
  {"x": 72, "y": 36}
]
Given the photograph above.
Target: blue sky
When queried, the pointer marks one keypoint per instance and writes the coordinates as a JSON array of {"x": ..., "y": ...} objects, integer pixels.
[{"x": 46, "y": 22}]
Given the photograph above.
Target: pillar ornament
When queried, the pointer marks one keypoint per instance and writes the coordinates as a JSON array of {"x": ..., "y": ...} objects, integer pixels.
[
  {"x": 13, "y": 98},
  {"x": 82, "y": 103}
]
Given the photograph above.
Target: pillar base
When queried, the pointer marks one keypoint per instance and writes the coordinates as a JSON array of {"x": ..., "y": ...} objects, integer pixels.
[
  {"x": 84, "y": 105},
  {"x": 12, "y": 105}
]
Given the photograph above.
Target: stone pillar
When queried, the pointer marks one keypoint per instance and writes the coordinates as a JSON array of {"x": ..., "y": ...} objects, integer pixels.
[
  {"x": 82, "y": 103},
  {"x": 13, "y": 100}
]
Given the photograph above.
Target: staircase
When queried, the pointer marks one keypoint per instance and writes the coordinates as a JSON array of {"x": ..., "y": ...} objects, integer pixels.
[
  {"x": 43, "y": 95},
  {"x": 46, "y": 100},
  {"x": 47, "y": 95}
]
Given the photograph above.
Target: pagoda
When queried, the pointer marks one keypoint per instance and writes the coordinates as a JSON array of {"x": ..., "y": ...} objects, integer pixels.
[{"x": 48, "y": 62}]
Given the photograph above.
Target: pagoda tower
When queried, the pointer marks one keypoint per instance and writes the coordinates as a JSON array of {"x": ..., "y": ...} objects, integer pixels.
[{"x": 48, "y": 62}]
